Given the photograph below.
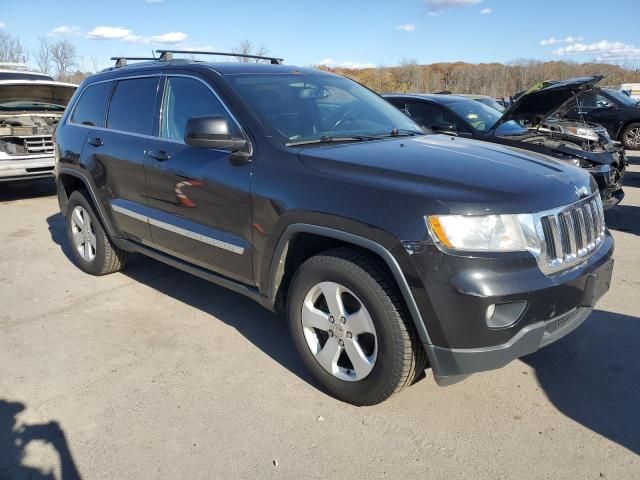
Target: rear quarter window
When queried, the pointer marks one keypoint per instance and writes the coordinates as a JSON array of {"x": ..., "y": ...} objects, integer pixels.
[
  {"x": 92, "y": 105},
  {"x": 132, "y": 105}
]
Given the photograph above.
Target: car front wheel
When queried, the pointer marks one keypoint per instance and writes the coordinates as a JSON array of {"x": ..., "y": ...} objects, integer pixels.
[
  {"x": 631, "y": 136},
  {"x": 350, "y": 327}
]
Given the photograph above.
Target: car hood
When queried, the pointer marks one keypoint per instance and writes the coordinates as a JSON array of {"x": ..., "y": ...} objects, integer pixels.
[
  {"x": 36, "y": 91},
  {"x": 465, "y": 176},
  {"x": 544, "y": 98}
]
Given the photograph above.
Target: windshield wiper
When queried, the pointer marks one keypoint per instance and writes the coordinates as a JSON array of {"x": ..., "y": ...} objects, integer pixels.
[
  {"x": 332, "y": 139},
  {"x": 403, "y": 132}
]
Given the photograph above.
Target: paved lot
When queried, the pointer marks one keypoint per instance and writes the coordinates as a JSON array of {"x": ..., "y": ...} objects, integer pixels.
[{"x": 152, "y": 373}]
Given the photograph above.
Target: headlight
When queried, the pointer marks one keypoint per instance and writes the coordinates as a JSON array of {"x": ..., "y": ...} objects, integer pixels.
[
  {"x": 578, "y": 162},
  {"x": 485, "y": 233},
  {"x": 583, "y": 132}
]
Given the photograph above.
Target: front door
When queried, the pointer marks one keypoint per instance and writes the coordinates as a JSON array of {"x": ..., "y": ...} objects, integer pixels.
[{"x": 199, "y": 199}]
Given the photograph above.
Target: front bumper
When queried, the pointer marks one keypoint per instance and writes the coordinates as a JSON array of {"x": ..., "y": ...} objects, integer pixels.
[
  {"x": 460, "y": 290},
  {"x": 26, "y": 167}
]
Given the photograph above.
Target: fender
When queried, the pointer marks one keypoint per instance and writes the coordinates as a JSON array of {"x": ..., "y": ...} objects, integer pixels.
[
  {"x": 374, "y": 247},
  {"x": 90, "y": 188}
]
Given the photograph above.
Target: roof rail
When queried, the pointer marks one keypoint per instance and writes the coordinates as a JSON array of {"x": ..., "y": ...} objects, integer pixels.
[
  {"x": 122, "y": 61},
  {"x": 168, "y": 55}
]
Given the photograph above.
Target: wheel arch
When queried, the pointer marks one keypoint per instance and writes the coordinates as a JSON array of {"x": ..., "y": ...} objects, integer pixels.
[
  {"x": 294, "y": 247},
  {"x": 67, "y": 181}
]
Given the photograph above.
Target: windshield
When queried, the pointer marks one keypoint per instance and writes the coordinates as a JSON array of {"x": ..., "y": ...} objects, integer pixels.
[
  {"x": 620, "y": 97},
  {"x": 31, "y": 106},
  {"x": 480, "y": 116},
  {"x": 490, "y": 102},
  {"x": 302, "y": 108}
]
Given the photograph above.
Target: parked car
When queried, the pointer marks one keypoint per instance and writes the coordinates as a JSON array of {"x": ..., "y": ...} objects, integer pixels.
[
  {"x": 305, "y": 191},
  {"x": 460, "y": 116},
  {"x": 487, "y": 100},
  {"x": 617, "y": 112},
  {"x": 631, "y": 89},
  {"x": 31, "y": 105}
]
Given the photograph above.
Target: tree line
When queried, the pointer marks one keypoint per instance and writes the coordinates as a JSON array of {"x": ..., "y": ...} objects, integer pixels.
[
  {"x": 60, "y": 58},
  {"x": 495, "y": 79}
]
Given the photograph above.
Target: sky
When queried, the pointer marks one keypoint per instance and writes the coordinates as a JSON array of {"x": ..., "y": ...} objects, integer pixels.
[{"x": 350, "y": 33}]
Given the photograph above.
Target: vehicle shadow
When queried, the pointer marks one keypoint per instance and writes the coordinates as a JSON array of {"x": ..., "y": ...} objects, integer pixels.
[
  {"x": 593, "y": 376},
  {"x": 264, "y": 329},
  {"x": 15, "y": 438},
  {"x": 12, "y": 191},
  {"x": 624, "y": 218}
]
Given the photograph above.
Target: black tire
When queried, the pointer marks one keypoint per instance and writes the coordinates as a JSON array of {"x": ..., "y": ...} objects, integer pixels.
[
  {"x": 401, "y": 358},
  {"x": 630, "y": 141},
  {"x": 108, "y": 257}
]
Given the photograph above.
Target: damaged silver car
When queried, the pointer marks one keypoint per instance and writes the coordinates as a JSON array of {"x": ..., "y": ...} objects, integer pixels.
[{"x": 31, "y": 105}]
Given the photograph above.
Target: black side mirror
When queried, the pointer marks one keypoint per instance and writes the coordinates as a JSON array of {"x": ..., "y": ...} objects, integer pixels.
[
  {"x": 212, "y": 132},
  {"x": 445, "y": 127}
]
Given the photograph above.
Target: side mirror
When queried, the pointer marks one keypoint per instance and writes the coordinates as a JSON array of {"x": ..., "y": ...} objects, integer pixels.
[
  {"x": 212, "y": 132},
  {"x": 445, "y": 127}
]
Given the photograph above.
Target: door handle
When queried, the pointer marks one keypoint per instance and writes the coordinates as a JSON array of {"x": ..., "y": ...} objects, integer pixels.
[
  {"x": 159, "y": 155},
  {"x": 96, "y": 142}
]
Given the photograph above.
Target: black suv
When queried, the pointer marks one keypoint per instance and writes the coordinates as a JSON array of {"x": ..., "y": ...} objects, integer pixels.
[{"x": 389, "y": 249}]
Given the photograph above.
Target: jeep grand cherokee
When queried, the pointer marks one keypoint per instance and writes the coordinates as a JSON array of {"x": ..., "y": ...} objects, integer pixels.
[{"x": 388, "y": 249}]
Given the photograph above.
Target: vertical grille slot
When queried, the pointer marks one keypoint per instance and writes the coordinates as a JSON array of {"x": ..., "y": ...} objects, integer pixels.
[
  {"x": 38, "y": 144},
  {"x": 571, "y": 233}
]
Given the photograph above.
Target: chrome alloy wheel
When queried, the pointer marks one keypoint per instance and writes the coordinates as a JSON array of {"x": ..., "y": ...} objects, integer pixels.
[
  {"x": 84, "y": 237},
  {"x": 339, "y": 331},
  {"x": 632, "y": 137}
]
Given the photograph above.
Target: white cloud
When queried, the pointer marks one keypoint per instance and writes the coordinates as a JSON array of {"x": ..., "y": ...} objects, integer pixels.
[
  {"x": 104, "y": 32},
  {"x": 64, "y": 30},
  {"x": 406, "y": 27},
  {"x": 434, "y": 7},
  {"x": 602, "y": 50},
  {"x": 330, "y": 62},
  {"x": 554, "y": 41},
  {"x": 486, "y": 11},
  {"x": 2, "y": 24},
  {"x": 170, "y": 37}
]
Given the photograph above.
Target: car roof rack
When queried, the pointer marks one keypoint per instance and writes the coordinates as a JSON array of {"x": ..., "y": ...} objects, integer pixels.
[
  {"x": 122, "y": 61},
  {"x": 168, "y": 55}
]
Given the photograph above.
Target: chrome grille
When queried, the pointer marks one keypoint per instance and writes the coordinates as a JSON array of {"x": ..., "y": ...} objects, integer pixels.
[
  {"x": 570, "y": 234},
  {"x": 38, "y": 144}
]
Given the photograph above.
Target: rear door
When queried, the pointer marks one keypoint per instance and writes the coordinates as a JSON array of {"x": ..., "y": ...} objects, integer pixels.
[
  {"x": 199, "y": 198},
  {"x": 117, "y": 151}
]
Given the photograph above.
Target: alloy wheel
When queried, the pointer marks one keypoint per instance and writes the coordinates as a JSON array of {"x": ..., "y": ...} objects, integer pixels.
[
  {"x": 339, "y": 331},
  {"x": 84, "y": 236},
  {"x": 632, "y": 137}
]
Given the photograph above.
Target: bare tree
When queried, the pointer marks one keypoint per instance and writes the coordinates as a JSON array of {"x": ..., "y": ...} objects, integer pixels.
[
  {"x": 63, "y": 54},
  {"x": 11, "y": 49},
  {"x": 247, "y": 48},
  {"x": 94, "y": 63},
  {"x": 43, "y": 56}
]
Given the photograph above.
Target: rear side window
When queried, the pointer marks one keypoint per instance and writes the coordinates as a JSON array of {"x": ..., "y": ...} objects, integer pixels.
[
  {"x": 92, "y": 105},
  {"x": 185, "y": 98},
  {"x": 132, "y": 105}
]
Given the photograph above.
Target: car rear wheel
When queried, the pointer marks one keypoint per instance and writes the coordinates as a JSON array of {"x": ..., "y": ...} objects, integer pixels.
[
  {"x": 631, "y": 136},
  {"x": 349, "y": 326},
  {"x": 91, "y": 247}
]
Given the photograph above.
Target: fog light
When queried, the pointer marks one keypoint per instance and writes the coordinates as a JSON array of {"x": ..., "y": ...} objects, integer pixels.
[{"x": 503, "y": 315}]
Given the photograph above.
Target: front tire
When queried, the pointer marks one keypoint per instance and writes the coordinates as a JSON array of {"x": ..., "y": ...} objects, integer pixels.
[
  {"x": 91, "y": 248},
  {"x": 631, "y": 136},
  {"x": 349, "y": 325}
]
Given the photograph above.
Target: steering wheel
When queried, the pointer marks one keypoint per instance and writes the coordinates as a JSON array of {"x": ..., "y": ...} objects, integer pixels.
[{"x": 343, "y": 118}]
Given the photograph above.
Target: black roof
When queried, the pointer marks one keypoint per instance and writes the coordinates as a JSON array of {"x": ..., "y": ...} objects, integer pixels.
[{"x": 434, "y": 97}]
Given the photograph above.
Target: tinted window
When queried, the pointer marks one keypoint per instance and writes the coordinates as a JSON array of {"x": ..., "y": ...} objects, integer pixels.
[
  {"x": 132, "y": 105},
  {"x": 425, "y": 114},
  {"x": 185, "y": 98},
  {"x": 91, "y": 108}
]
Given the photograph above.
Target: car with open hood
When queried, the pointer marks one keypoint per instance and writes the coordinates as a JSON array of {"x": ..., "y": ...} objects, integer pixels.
[
  {"x": 387, "y": 249},
  {"x": 31, "y": 105},
  {"x": 464, "y": 117}
]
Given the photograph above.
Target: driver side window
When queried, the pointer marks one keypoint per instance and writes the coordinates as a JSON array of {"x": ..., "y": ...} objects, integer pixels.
[{"x": 183, "y": 99}]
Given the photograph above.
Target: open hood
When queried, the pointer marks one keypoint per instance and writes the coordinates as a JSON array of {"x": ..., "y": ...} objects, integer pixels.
[
  {"x": 56, "y": 93},
  {"x": 544, "y": 98}
]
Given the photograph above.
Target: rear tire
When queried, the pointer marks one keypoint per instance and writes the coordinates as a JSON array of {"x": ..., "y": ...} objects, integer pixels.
[
  {"x": 631, "y": 136},
  {"x": 381, "y": 356},
  {"x": 91, "y": 248}
]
